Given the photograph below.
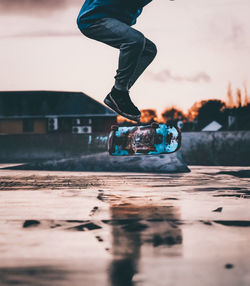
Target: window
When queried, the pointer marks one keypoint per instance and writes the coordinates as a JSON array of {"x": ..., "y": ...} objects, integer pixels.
[{"x": 28, "y": 125}]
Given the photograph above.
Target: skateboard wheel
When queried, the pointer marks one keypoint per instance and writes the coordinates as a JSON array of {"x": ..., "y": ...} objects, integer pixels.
[
  {"x": 111, "y": 142},
  {"x": 155, "y": 125},
  {"x": 179, "y": 138},
  {"x": 114, "y": 127}
]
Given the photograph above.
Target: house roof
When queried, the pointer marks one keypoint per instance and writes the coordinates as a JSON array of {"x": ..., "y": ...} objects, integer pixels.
[
  {"x": 213, "y": 126},
  {"x": 16, "y": 104}
]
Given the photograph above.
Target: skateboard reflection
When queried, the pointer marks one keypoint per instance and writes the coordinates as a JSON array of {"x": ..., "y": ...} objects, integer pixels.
[{"x": 136, "y": 227}]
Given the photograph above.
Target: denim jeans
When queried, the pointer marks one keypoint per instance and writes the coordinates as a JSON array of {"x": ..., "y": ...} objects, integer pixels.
[{"x": 136, "y": 51}]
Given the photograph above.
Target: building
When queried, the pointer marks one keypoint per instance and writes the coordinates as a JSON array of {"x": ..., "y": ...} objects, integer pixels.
[{"x": 41, "y": 112}]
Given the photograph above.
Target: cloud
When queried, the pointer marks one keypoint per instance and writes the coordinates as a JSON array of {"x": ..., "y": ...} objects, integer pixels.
[
  {"x": 237, "y": 33},
  {"x": 38, "y": 18},
  {"x": 44, "y": 33},
  {"x": 237, "y": 36},
  {"x": 167, "y": 75},
  {"x": 37, "y": 6}
]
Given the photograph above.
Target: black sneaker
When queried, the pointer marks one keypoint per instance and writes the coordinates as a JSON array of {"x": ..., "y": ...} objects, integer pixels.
[{"x": 121, "y": 103}]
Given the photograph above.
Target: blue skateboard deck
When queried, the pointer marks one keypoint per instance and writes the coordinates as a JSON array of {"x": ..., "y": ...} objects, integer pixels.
[{"x": 148, "y": 140}]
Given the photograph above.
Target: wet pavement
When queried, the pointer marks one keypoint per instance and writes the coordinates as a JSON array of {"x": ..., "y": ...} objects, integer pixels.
[{"x": 75, "y": 228}]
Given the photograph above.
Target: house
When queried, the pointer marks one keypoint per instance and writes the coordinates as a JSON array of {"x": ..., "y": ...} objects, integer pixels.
[{"x": 42, "y": 112}]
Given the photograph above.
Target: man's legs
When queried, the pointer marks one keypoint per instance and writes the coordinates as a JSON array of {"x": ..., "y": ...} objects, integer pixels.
[
  {"x": 136, "y": 53},
  {"x": 145, "y": 60}
]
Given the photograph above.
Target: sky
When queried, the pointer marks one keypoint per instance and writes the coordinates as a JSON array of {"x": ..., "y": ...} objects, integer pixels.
[{"x": 202, "y": 45}]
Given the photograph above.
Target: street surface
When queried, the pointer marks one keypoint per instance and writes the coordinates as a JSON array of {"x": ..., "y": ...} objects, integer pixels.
[{"x": 77, "y": 228}]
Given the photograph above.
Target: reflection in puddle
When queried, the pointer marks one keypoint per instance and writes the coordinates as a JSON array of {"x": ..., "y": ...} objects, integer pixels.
[
  {"x": 32, "y": 276},
  {"x": 239, "y": 174},
  {"x": 136, "y": 226}
]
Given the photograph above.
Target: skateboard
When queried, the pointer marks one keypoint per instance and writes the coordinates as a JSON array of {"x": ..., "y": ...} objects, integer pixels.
[{"x": 150, "y": 139}]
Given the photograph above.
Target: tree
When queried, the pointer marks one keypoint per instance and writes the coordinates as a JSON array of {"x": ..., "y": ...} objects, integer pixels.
[
  {"x": 246, "y": 95},
  {"x": 230, "y": 101},
  {"x": 194, "y": 110},
  {"x": 239, "y": 98},
  {"x": 173, "y": 115},
  {"x": 148, "y": 116},
  {"x": 209, "y": 111}
]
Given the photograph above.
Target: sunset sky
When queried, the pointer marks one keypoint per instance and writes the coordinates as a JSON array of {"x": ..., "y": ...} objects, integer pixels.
[{"x": 202, "y": 45}]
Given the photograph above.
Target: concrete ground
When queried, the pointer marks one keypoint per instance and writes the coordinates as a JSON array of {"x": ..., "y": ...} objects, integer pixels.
[{"x": 75, "y": 228}]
